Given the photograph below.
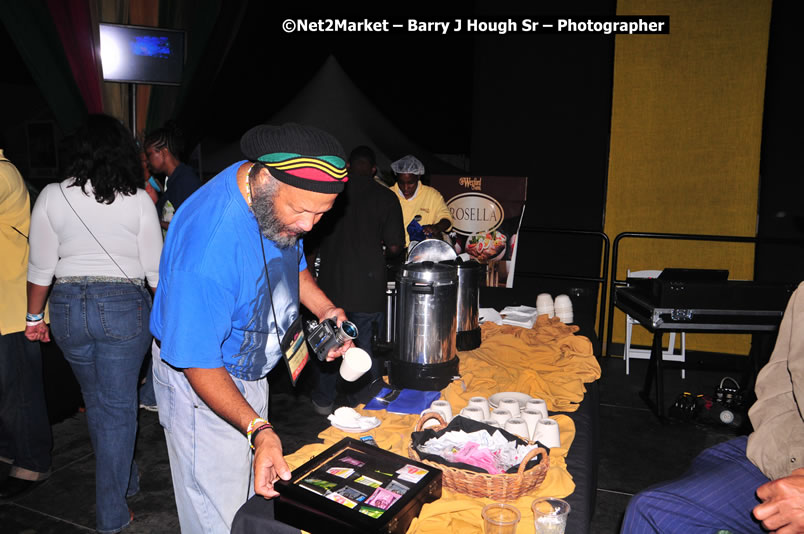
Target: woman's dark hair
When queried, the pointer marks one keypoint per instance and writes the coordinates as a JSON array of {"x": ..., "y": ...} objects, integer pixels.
[
  {"x": 168, "y": 136},
  {"x": 104, "y": 153}
]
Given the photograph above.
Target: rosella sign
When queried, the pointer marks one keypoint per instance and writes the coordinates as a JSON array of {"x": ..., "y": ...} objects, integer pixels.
[
  {"x": 474, "y": 213},
  {"x": 486, "y": 214}
]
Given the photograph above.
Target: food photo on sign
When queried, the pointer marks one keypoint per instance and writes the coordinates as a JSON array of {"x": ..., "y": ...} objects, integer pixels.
[{"x": 486, "y": 215}]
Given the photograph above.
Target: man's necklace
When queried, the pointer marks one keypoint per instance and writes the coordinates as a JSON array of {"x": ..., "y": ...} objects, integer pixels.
[{"x": 248, "y": 186}]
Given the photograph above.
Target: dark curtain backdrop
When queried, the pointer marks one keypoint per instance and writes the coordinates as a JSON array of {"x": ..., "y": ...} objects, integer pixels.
[
  {"x": 210, "y": 27},
  {"x": 781, "y": 211},
  {"x": 546, "y": 115},
  {"x": 195, "y": 96},
  {"x": 36, "y": 38}
]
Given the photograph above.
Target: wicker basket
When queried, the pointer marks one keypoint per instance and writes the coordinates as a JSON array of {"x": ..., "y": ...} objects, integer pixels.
[{"x": 498, "y": 487}]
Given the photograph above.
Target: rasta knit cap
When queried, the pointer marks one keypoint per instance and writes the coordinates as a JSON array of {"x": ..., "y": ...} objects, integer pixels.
[{"x": 300, "y": 156}]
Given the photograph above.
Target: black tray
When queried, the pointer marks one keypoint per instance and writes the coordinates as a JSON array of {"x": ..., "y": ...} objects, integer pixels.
[{"x": 312, "y": 511}]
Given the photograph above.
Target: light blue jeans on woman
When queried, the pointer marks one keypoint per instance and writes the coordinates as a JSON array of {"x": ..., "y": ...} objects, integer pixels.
[{"x": 102, "y": 329}]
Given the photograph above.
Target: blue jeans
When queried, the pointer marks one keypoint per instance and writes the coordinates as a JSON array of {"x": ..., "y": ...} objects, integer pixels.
[
  {"x": 25, "y": 435},
  {"x": 210, "y": 460},
  {"x": 717, "y": 492},
  {"x": 102, "y": 329},
  {"x": 146, "y": 391},
  {"x": 324, "y": 391}
]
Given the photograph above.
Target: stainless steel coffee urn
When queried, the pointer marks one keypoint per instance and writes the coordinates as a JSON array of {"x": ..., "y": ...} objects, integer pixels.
[
  {"x": 426, "y": 320},
  {"x": 470, "y": 276}
]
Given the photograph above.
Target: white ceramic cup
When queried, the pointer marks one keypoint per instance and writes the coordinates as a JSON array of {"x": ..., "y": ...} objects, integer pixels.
[
  {"x": 532, "y": 418},
  {"x": 430, "y": 422},
  {"x": 483, "y": 404},
  {"x": 444, "y": 408},
  {"x": 518, "y": 427},
  {"x": 545, "y": 305},
  {"x": 566, "y": 317},
  {"x": 510, "y": 404},
  {"x": 539, "y": 405},
  {"x": 354, "y": 364},
  {"x": 492, "y": 422},
  {"x": 562, "y": 303},
  {"x": 547, "y": 432},
  {"x": 545, "y": 299},
  {"x": 500, "y": 415},
  {"x": 474, "y": 413}
]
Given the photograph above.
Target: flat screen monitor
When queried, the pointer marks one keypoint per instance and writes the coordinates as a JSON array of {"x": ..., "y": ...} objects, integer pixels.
[{"x": 140, "y": 54}]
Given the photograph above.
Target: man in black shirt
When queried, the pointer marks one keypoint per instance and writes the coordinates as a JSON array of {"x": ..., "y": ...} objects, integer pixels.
[
  {"x": 163, "y": 148},
  {"x": 350, "y": 240}
]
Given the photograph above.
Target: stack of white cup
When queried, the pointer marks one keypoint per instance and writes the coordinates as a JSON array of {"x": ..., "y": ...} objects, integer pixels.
[
  {"x": 544, "y": 304},
  {"x": 563, "y": 309}
]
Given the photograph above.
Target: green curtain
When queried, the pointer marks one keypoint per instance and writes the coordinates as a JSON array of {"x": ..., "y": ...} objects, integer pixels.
[{"x": 30, "y": 26}]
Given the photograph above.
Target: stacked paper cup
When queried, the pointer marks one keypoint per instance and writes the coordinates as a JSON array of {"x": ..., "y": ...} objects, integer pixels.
[
  {"x": 563, "y": 309},
  {"x": 544, "y": 304}
]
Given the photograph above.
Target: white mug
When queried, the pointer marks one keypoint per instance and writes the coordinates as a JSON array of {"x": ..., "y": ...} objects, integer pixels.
[
  {"x": 444, "y": 408},
  {"x": 518, "y": 427},
  {"x": 547, "y": 433},
  {"x": 354, "y": 364},
  {"x": 532, "y": 418},
  {"x": 501, "y": 416},
  {"x": 483, "y": 404},
  {"x": 474, "y": 413},
  {"x": 510, "y": 404},
  {"x": 539, "y": 405}
]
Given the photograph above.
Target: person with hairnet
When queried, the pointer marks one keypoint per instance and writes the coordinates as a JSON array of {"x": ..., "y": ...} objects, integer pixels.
[{"x": 419, "y": 199}]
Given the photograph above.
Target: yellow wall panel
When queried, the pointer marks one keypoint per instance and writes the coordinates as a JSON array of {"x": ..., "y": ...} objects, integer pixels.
[{"x": 685, "y": 140}]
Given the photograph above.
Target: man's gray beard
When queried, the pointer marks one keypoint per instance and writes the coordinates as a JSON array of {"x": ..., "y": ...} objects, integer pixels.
[{"x": 262, "y": 204}]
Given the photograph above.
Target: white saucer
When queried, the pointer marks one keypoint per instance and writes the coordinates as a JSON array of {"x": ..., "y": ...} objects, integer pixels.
[
  {"x": 356, "y": 429},
  {"x": 521, "y": 398}
]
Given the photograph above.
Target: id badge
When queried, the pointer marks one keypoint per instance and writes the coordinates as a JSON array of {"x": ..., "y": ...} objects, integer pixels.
[{"x": 294, "y": 350}]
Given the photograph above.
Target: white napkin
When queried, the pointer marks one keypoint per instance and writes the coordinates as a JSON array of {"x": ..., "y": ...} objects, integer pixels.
[
  {"x": 349, "y": 418},
  {"x": 523, "y": 316},
  {"x": 516, "y": 319},
  {"x": 528, "y": 310},
  {"x": 489, "y": 315}
]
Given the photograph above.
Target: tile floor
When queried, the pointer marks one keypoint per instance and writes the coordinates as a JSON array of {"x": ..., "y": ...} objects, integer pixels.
[{"x": 636, "y": 452}]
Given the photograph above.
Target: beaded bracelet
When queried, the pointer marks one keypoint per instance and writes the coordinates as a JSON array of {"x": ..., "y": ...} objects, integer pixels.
[
  {"x": 34, "y": 316},
  {"x": 253, "y": 435},
  {"x": 255, "y": 423}
]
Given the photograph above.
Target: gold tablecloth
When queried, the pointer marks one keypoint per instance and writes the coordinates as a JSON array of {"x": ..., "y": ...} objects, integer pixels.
[{"x": 547, "y": 361}]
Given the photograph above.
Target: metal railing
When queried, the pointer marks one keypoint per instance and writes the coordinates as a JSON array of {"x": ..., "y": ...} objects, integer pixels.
[{"x": 681, "y": 237}]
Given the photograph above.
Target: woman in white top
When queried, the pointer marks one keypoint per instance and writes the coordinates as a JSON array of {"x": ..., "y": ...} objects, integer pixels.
[{"x": 98, "y": 233}]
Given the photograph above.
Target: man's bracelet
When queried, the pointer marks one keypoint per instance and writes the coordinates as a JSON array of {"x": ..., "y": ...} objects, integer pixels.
[
  {"x": 256, "y": 422},
  {"x": 34, "y": 317},
  {"x": 34, "y": 323},
  {"x": 253, "y": 435},
  {"x": 253, "y": 426}
]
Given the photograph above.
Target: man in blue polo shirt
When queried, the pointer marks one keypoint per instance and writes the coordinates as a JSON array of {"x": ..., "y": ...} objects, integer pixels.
[{"x": 231, "y": 278}]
